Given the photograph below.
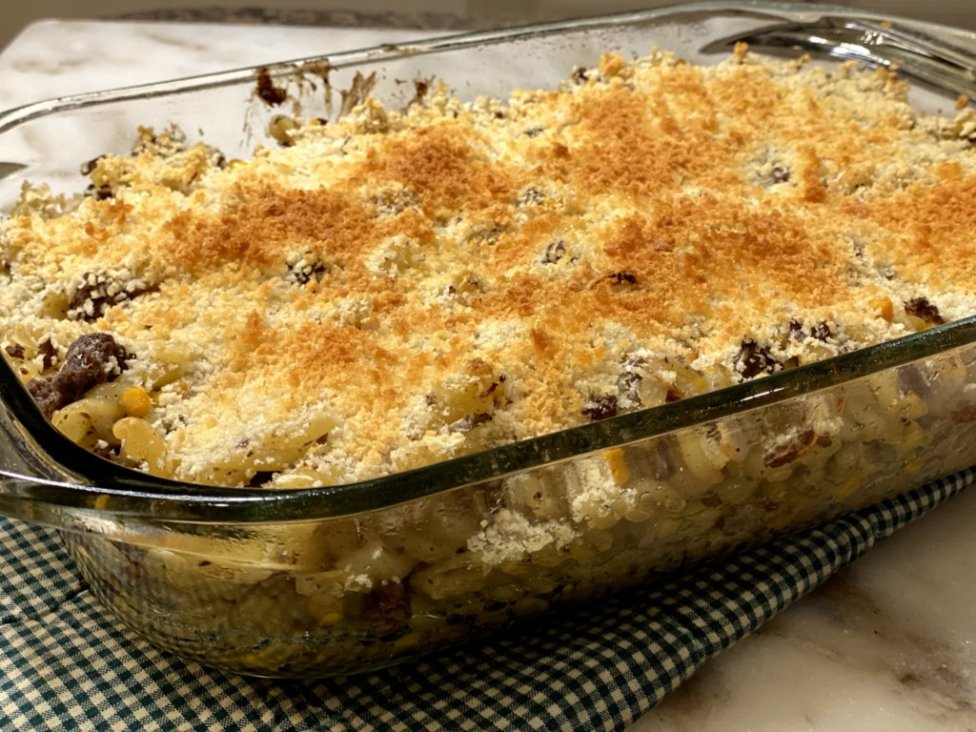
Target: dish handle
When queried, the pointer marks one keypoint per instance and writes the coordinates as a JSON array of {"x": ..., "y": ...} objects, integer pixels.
[{"x": 947, "y": 63}]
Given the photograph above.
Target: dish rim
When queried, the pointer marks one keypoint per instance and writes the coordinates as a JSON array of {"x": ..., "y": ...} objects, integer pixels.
[{"x": 74, "y": 478}]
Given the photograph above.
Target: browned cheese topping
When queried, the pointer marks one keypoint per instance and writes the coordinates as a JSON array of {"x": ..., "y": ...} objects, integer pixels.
[{"x": 399, "y": 288}]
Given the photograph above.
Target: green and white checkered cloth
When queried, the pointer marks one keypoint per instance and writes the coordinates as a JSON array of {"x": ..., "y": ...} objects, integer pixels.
[{"x": 67, "y": 665}]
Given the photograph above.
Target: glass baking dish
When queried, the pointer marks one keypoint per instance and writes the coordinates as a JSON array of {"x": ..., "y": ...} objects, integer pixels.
[{"x": 305, "y": 583}]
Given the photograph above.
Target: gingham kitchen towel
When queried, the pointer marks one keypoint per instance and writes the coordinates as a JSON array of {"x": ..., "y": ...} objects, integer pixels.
[{"x": 66, "y": 664}]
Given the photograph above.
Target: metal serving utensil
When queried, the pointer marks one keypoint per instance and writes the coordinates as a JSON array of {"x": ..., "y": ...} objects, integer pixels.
[{"x": 929, "y": 60}]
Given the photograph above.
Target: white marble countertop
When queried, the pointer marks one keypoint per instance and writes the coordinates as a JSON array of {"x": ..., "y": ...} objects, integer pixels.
[{"x": 889, "y": 644}]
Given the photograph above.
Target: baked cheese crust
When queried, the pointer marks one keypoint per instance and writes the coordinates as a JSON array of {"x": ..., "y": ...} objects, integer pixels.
[{"x": 396, "y": 289}]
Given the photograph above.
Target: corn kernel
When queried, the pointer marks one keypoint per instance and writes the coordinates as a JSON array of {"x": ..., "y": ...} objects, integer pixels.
[
  {"x": 913, "y": 466},
  {"x": 883, "y": 308},
  {"x": 411, "y": 640},
  {"x": 135, "y": 401},
  {"x": 618, "y": 466}
]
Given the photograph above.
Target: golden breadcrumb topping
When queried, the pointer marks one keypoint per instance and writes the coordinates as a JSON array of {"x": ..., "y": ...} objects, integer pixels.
[{"x": 395, "y": 289}]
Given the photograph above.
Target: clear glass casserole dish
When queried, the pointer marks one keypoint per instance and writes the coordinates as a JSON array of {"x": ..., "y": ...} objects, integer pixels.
[{"x": 342, "y": 579}]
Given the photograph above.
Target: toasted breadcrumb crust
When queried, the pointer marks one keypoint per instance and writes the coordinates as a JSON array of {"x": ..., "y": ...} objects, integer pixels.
[{"x": 396, "y": 289}]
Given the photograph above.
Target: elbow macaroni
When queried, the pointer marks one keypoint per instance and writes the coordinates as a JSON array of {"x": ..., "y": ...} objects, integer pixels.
[{"x": 434, "y": 570}]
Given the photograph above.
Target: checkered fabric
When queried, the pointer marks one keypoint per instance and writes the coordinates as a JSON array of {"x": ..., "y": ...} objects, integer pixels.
[{"x": 66, "y": 665}]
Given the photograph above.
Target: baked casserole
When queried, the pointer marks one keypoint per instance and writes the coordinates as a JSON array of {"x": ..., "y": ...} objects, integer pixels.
[{"x": 399, "y": 288}]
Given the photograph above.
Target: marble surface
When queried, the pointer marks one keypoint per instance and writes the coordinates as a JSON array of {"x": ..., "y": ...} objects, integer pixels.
[
  {"x": 53, "y": 57},
  {"x": 889, "y": 644}
]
